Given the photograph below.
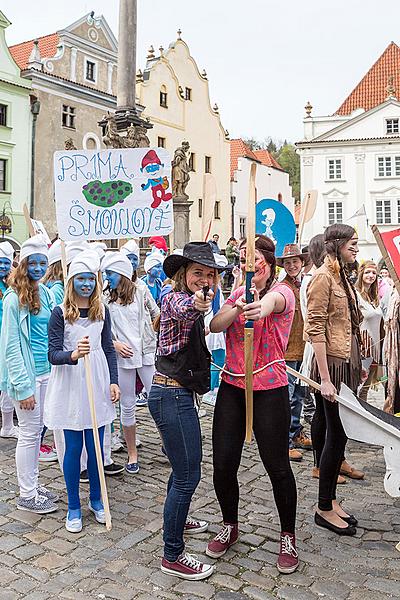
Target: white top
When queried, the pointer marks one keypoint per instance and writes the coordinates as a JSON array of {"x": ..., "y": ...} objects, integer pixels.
[
  {"x": 215, "y": 341},
  {"x": 371, "y": 325}
]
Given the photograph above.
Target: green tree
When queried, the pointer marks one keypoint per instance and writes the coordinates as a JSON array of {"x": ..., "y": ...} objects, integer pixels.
[{"x": 289, "y": 160}]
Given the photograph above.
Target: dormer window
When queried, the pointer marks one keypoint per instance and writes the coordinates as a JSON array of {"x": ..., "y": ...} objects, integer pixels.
[{"x": 392, "y": 126}]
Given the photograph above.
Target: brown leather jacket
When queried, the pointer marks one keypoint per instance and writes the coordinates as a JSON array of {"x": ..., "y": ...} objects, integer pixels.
[
  {"x": 328, "y": 313},
  {"x": 296, "y": 343}
]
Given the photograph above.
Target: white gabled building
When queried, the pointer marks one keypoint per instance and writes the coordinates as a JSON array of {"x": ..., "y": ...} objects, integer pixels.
[{"x": 353, "y": 157}]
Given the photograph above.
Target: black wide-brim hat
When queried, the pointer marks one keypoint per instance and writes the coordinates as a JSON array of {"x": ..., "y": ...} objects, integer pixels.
[{"x": 197, "y": 252}]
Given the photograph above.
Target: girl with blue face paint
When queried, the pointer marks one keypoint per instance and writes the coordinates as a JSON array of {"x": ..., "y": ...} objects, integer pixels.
[
  {"x": 153, "y": 268},
  {"x": 8, "y": 429},
  {"x": 81, "y": 325},
  {"x": 24, "y": 366},
  {"x": 130, "y": 305}
]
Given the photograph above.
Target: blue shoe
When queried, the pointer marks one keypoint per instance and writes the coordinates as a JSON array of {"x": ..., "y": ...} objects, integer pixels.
[
  {"x": 99, "y": 512},
  {"x": 132, "y": 468},
  {"x": 73, "y": 523}
]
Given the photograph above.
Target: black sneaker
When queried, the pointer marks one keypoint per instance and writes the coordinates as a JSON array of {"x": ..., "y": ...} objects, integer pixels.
[
  {"x": 113, "y": 469},
  {"x": 84, "y": 478}
]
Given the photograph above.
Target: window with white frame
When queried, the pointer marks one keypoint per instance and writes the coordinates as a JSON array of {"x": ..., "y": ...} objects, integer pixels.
[
  {"x": 387, "y": 210},
  {"x": 242, "y": 227},
  {"x": 335, "y": 170},
  {"x": 392, "y": 126},
  {"x": 3, "y": 115},
  {"x": 388, "y": 166},
  {"x": 3, "y": 173},
  {"x": 335, "y": 212}
]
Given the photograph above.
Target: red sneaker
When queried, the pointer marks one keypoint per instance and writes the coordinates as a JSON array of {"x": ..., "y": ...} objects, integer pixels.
[
  {"x": 223, "y": 540},
  {"x": 187, "y": 567},
  {"x": 288, "y": 559},
  {"x": 192, "y": 526}
]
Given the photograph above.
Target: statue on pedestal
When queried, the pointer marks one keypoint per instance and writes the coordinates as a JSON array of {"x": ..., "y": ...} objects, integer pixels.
[
  {"x": 180, "y": 172},
  {"x": 135, "y": 135}
]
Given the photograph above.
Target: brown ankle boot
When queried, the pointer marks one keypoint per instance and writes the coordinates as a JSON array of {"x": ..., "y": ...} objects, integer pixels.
[
  {"x": 295, "y": 455},
  {"x": 315, "y": 473}
]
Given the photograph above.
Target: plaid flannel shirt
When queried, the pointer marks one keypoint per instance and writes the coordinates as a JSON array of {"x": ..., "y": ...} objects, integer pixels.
[{"x": 177, "y": 318}]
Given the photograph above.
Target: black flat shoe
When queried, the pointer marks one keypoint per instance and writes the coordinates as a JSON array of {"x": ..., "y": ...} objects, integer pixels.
[
  {"x": 351, "y": 520},
  {"x": 321, "y": 522}
]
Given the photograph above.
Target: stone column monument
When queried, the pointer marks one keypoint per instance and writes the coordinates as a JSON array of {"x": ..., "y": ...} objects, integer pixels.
[{"x": 181, "y": 202}]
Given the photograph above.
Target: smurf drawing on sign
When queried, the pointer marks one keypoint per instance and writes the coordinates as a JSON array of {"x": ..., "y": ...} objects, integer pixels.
[
  {"x": 152, "y": 166},
  {"x": 268, "y": 221}
]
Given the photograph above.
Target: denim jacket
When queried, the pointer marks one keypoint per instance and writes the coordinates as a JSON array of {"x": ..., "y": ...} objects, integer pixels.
[{"x": 17, "y": 367}]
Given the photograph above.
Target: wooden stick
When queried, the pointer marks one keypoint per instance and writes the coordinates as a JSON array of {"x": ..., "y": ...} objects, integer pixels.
[
  {"x": 386, "y": 257},
  {"x": 28, "y": 220},
  {"x": 96, "y": 438},
  {"x": 64, "y": 262}
]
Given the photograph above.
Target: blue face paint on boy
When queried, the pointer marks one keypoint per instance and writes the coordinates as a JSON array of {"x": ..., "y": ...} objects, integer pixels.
[
  {"x": 84, "y": 284},
  {"x": 155, "y": 272},
  {"x": 134, "y": 261},
  {"x": 37, "y": 266},
  {"x": 5, "y": 267},
  {"x": 113, "y": 279}
]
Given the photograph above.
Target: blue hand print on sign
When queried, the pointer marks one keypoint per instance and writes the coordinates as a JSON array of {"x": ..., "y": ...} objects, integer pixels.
[{"x": 275, "y": 221}]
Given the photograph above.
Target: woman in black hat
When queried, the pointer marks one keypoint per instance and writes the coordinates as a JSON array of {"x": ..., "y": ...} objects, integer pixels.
[{"x": 182, "y": 369}]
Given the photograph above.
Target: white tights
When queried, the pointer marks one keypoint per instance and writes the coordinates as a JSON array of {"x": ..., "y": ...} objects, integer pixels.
[{"x": 127, "y": 385}]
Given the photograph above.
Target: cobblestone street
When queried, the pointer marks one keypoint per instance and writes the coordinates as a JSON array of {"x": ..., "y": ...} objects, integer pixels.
[{"x": 39, "y": 559}]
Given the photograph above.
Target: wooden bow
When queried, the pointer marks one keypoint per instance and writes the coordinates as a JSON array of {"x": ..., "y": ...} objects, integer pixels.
[{"x": 249, "y": 325}]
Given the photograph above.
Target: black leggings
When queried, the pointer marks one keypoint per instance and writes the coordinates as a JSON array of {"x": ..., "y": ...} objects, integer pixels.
[
  {"x": 329, "y": 442},
  {"x": 271, "y": 430}
]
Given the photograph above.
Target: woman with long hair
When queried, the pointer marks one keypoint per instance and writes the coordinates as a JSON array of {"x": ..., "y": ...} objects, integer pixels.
[
  {"x": 272, "y": 312},
  {"x": 183, "y": 369},
  {"x": 135, "y": 346},
  {"x": 372, "y": 324},
  {"x": 333, "y": 328},
  {"x": 81, "y": 325},
  {"x": 25, "y": 368}
]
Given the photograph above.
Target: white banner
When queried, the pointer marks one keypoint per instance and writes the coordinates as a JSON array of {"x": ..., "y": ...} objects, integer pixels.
[{"x": 109, "y": 194}]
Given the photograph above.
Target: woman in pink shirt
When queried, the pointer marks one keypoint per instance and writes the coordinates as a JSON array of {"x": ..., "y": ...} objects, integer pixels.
[{"x": 272, "y": 313}]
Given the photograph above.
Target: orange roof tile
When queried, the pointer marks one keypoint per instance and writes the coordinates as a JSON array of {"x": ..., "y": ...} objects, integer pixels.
[
  {"x": 266, "y": 158},
  {"x": 239, "y": 150},
  {"x": 47, "y": 47},
  {"x": 372, "y": 89}
]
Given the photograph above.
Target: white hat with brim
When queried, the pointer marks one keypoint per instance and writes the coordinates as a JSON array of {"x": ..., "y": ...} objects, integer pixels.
[
  {"x": 86, "y": 262},
  {"x": 130, "y": 247},
  {"x": 117, "y": 262},
  {"x": 55, "y": 252},
  {"x": 34, "y": 245},
  {"x": 6, "y": 250}
]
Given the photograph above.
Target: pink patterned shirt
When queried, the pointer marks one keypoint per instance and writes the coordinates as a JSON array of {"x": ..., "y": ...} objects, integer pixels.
[{"x": 271, "y": 337}]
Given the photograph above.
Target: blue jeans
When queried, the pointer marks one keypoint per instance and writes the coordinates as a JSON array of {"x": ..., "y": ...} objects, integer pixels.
[
  {"x": 296, "y": 397},
  {"x": 72, "y": 465},
  {"x": 177, "y": 421}
]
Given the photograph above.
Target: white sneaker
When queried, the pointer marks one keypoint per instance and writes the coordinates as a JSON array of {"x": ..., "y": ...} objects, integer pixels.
[
  {"x": 47, "y": 454},
  {"x": 12, "y": 433},
  {"x": 139, "y": 442},
  {"x": 99, "y": 514},
  {"x": 116, "y": 443},
  {"x": 73, "y": 525},
  {"x": 210, "y": 397}
]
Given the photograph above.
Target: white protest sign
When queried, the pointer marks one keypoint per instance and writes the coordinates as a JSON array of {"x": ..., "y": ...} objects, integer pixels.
[{"x": 111, "y": 194}]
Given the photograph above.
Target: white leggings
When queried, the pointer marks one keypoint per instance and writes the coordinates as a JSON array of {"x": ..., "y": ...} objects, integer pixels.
[
  {"x": 127, "y": 385},
  {"x": 59, "y": 441},
  {"x": 6, "y": 403},
  {"x": 30, "y": 430}
]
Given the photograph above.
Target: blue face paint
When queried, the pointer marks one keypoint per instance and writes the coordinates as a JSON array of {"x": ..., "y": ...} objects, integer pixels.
[
  {"x": 37, "y": 266},
  {"x": 152, "y": 169},
  {"x": 5, "y": 267},
  {"x": 155, "y": 271},
  {"x": 113, "y": 279},
  {"x": 84, "y": 284},
  {"x": 134, "y": 260}
]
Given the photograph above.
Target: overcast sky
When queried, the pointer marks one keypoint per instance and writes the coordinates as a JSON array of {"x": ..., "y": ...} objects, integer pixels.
[{"x": 264, "y": 58}]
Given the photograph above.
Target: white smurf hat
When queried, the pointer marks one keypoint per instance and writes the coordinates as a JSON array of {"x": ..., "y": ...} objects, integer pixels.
[
  {"x": 118, "y": 262},
  {"x": 34, "y": 245},
  {"x": 86, "y": 262},
  {"x": 73, "y": 249},
  {"x": 55, "y": 252},
  {"x": 130, "y": 247},
  {"x": 153, "y": 259},
  {"x": 6, "y": 250},
  {"x": 100, "y": 248}
]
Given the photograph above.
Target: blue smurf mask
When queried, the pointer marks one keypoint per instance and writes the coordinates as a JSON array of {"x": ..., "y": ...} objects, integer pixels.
[
  {"x": 155, "y": 271},
  {"x": 84, "y": 284},
  {"x": 37, "y": 266},
  {"x": 113, "y": 279},
  {"x": 134, "y": 261},
  {"x": 5, "y": 267}
]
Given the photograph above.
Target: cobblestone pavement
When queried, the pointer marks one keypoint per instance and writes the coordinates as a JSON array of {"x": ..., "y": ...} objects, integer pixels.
[{"x": 39, "y": 559}]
